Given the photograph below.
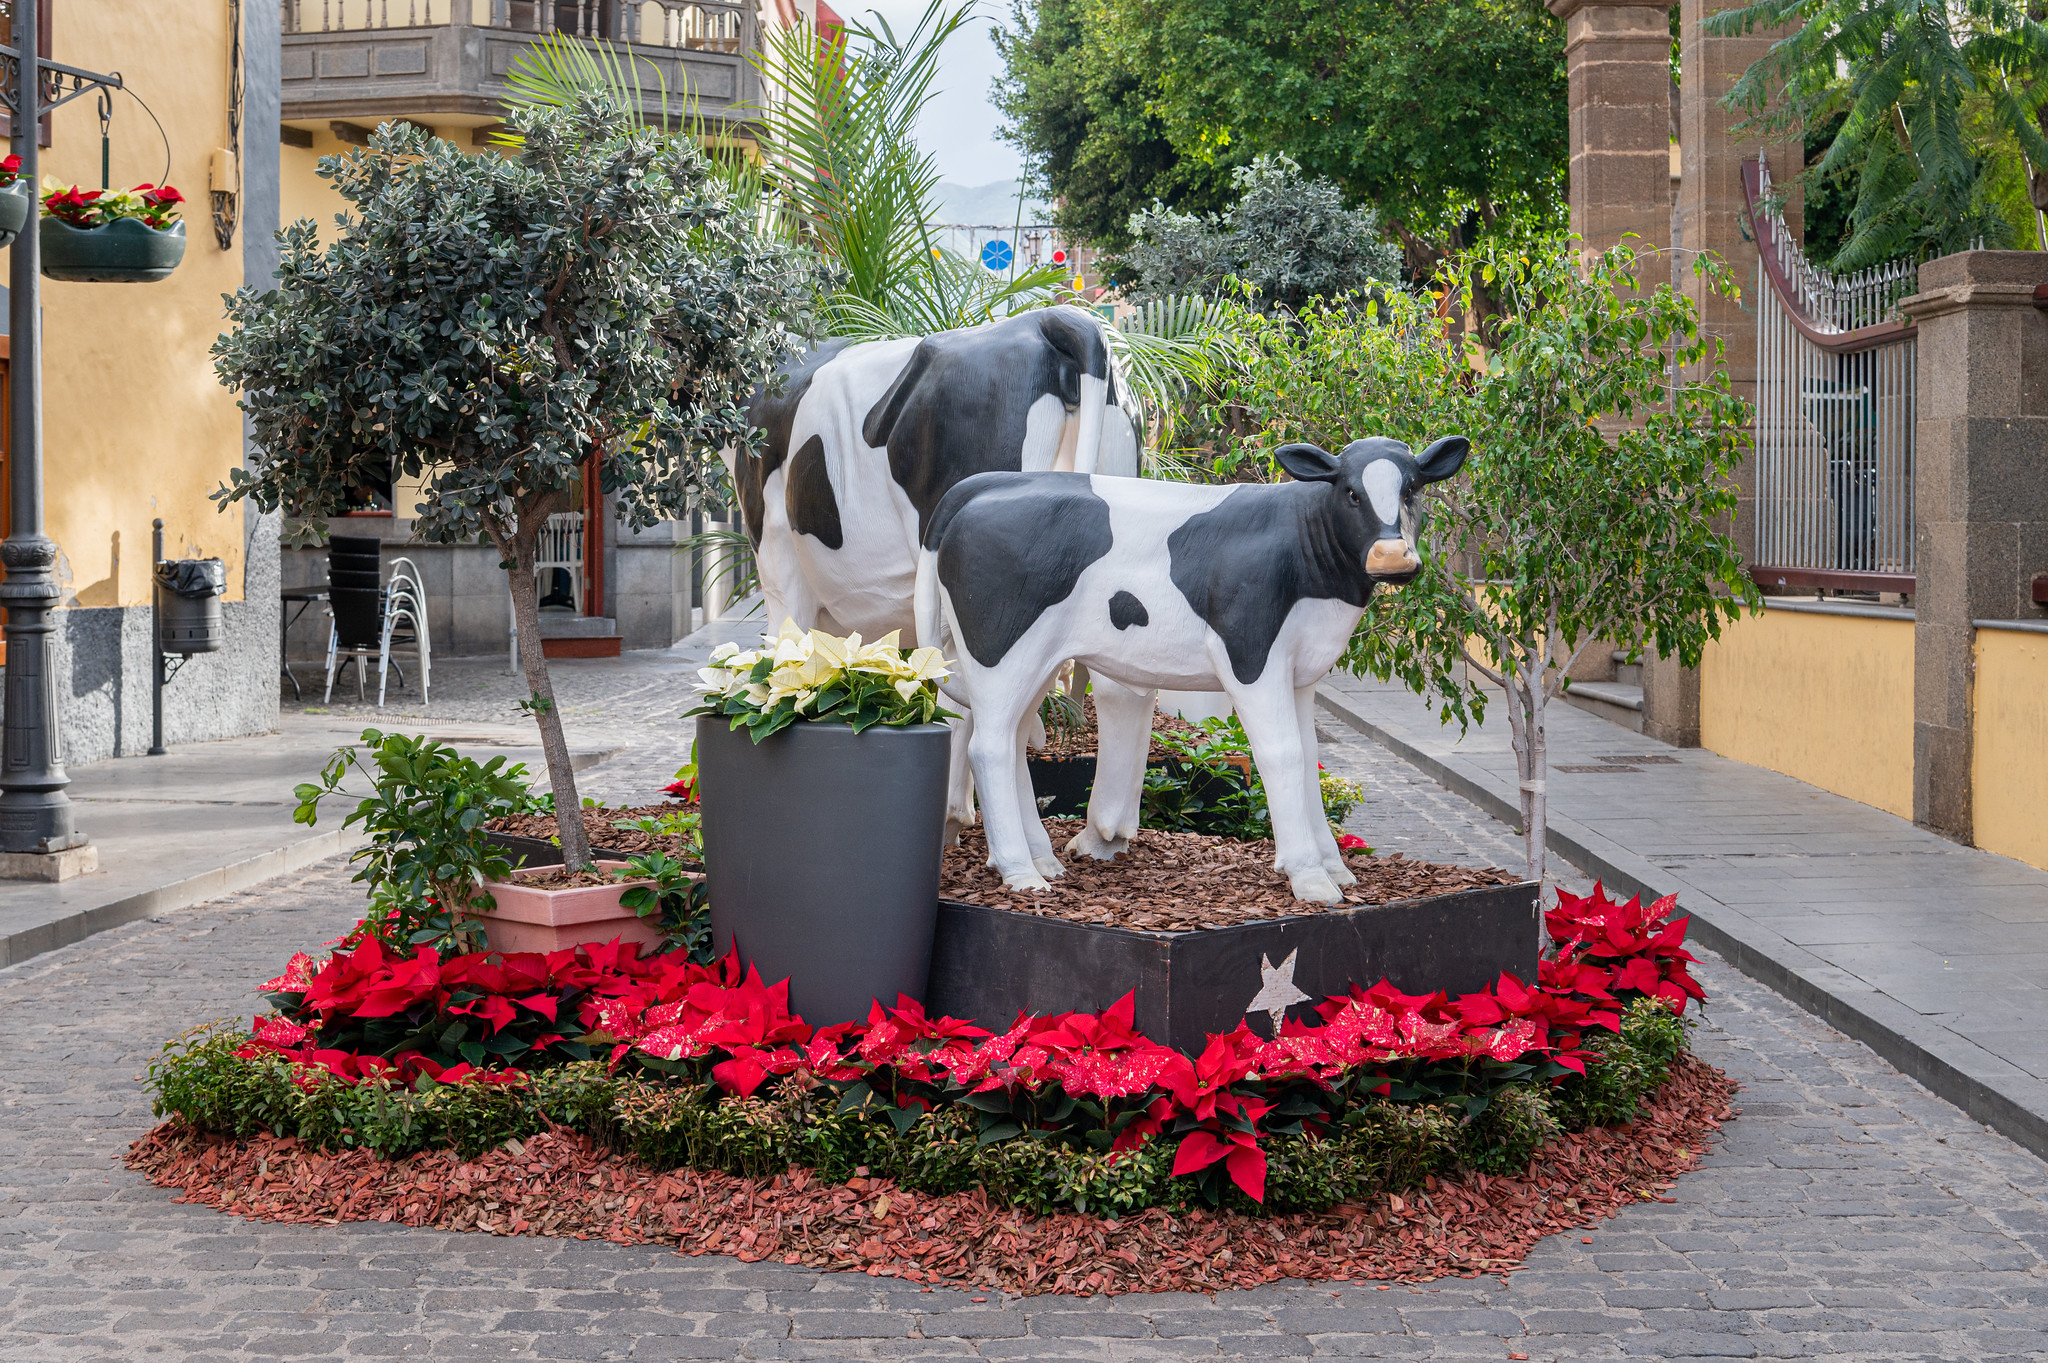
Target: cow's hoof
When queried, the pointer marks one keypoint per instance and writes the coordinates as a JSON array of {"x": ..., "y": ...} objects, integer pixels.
[
  {"x": 1029, "y": 880},
  {"x": 1049, "y": 866},
  {"x": 1089, "y": 843},
  {"x": 1315, "y": 886},
  {"x": 1341, "y": 874}
]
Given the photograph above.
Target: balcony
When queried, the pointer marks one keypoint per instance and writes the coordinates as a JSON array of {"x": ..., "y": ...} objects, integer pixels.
[{"x": 364, "y": 60}]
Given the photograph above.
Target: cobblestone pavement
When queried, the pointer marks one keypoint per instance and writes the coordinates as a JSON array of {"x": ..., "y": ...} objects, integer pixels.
[{"x": 1848, "y": 1214}]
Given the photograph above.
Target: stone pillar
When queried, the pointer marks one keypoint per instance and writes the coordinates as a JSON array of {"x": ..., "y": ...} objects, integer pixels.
[
  {"x": 1980, "y": 496},
  {"x": 1618, "y": 61},
  {"x": 1710, "y": 218}
]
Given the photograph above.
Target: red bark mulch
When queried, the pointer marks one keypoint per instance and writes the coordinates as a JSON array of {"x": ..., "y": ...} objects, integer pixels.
[
  {"x": 1080, "y": 742},
  {"x": 1182, "y": 882},
  {"x": 598, "y": 826},
  {"x": 561, "y": 1184}
]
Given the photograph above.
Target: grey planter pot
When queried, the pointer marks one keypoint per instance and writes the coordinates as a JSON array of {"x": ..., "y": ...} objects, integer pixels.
[
  {"x": 15, "y": 206},
  {"x": 822, "y": 850}
]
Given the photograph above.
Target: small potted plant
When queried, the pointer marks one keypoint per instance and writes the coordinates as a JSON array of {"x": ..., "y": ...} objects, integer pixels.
[
  {"x": 14, "y": 200},
  {"x": 824, "y": 813},
  {"x": 96, "y": 236}
]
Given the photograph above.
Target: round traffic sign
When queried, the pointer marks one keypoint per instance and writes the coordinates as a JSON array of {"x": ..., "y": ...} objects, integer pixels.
[{"x": 996, "y": 255}]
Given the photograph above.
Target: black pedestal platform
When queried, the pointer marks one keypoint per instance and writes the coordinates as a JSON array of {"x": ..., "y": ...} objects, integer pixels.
[{"x": 990, "y": 964}]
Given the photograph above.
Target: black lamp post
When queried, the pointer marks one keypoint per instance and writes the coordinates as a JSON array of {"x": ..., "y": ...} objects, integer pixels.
[{"x": 35, "y": 813}]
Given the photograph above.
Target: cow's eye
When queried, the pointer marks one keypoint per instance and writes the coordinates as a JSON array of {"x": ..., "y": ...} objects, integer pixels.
[{"x": 1354, "y": 498}]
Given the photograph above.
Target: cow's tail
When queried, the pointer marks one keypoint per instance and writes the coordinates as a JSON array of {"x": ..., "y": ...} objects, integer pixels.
[
  {"x": 1094, "y": 401},
  {"x": 931, "y": 623}
]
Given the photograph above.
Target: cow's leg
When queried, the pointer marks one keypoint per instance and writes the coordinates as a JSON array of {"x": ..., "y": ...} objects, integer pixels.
[
  {"x": 1001, "y": 697},
  {"x": 785, "y": 591},
  {"x": 1333, "y": 856},
  {"x": 1123, "y": 740},
  {"x": 1267, "y": 709},
  {"x": 959, "y": 775},
  {"x": 1035, "y": 836}
]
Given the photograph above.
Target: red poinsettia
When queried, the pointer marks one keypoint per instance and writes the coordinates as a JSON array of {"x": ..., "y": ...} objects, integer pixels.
[{"x": 723, "y": 1023}]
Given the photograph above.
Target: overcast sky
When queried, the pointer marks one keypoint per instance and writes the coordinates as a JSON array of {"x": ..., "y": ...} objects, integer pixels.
[{"x": 959, "y": 125}]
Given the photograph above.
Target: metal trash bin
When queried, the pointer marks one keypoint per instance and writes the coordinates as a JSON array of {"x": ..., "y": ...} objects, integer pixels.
[{"x": 188, "y": 604}]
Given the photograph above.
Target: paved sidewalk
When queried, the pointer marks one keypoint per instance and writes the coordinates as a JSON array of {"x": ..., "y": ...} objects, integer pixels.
[
  {"x": 1848, "y": 1214},
  {"x": 209, "y": 818},
  {"x": 1934, "y": 954}
]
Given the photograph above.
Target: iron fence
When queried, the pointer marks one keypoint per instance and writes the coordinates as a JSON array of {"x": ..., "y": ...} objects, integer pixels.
[{"x": 1834, "y": 414}]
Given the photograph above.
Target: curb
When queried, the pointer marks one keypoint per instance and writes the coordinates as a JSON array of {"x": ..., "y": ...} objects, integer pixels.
[
  {"x": 1988, "y": 1089},
  {"x": 19, "y": 946}
]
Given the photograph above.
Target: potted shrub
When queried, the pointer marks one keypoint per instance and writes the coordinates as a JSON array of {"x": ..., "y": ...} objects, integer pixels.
[
  {"x": 824, "y": 814},
  {"x": 14, "y": 200},
  {"x": 436, "y": 878},
  {"x": 94, "y": 236}
]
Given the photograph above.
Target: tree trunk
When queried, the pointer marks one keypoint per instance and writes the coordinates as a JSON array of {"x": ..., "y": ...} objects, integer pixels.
[
  {"x": 1536, "y": 791},
  {"x": 533, "y": 659}
]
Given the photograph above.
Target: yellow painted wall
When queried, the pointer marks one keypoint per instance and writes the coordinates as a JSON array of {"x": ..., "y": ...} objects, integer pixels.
[
  {"x": 135, "y": 426},
  {"x": 2009, "y": 767},
  {"x": 1827, "y": 699}
]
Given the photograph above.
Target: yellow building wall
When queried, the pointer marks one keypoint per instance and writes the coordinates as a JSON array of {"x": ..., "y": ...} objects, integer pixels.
[
  {"x": 134, "y": 424},
  {"x": 2009, "y": 762},
  {"x": 1827, "y": 699}
]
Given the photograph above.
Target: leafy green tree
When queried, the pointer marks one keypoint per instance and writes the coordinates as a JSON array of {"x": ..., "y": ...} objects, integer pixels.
[
  {"x": 1586, "y": 515},
  {"x": 1902, "y": 77},
  {"x": 488, "y": 324},
  {"x": 1083, "y": 117},
  {"x": 1445, "y": 116},
  {"x": 1288, "y": 237}
]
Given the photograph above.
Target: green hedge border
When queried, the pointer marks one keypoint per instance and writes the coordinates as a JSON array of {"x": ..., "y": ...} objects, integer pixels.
[{"x": 1380, "y": 1146}]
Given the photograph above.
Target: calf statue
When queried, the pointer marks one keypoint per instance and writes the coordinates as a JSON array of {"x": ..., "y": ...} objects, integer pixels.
[{"x": 1252, "y": 590}]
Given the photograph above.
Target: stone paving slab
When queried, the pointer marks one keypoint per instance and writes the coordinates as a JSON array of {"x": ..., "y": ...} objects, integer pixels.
[
  {"x": 1934, "y": 953},
  {"x": 1848, "y": 1214}
]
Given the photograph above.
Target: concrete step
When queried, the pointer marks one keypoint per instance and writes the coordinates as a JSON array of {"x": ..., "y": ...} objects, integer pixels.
[
  {"x": 563, "y": 625},
  {"x": 1615, "y": 702},
  {"x": 1626, "y": 672}
]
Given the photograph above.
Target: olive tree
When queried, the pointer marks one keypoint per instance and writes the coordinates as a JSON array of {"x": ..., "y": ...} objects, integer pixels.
[
  {"x": 1604, "y": 439},
  {"x": 489, "y": 324}
]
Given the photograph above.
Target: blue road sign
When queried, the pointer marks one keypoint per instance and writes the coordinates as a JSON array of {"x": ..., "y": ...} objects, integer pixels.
[{"x": 996, "y": 255}]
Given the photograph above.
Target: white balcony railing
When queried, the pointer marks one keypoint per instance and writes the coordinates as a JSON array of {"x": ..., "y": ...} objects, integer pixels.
[{"x": 677, "y": 24}]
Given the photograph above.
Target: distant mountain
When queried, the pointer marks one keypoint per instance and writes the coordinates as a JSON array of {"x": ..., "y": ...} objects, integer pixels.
[{"x": 993, "y": 205}]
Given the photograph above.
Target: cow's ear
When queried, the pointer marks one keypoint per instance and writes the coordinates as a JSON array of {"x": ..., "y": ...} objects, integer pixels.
[
  {"x": 1442, "y": 459},
  {"x": 1307, "y": 463}
]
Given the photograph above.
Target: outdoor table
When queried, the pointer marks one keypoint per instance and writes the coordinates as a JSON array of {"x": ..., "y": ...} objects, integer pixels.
[{"x": 305, "y": 597}]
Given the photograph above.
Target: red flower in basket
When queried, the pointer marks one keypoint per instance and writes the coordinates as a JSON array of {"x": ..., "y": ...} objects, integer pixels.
[{"x": 10, "y": 170}]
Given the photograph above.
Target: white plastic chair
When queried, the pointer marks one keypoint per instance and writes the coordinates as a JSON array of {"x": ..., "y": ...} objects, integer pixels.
[
  {"x": 405, "y": 596},
  {"x": 558, "y": 548}
]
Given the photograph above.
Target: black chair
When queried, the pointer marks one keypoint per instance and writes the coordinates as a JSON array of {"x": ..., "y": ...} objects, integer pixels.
[{"x": 356, "y": 605}]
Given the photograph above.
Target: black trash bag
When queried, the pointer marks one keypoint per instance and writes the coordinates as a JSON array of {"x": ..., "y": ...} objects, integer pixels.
[{"x": 194, "y": 578}]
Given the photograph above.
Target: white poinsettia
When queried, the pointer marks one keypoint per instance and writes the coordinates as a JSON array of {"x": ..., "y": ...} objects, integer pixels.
[{"x": 822, "y": 676}]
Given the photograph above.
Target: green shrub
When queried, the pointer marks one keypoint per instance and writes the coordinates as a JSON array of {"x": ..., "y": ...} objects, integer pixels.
[
  {"x": 1378, "y": 1146},
  {"x": 1506, "y": 1135},
  {"x": 1634, "y": 1062}
]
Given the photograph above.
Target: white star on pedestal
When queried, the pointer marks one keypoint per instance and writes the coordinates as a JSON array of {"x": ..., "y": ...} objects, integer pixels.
[{"x": 1277, "y": 991}]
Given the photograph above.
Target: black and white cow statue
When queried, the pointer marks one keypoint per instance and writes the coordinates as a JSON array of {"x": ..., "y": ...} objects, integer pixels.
[
  {"x": 1252, "y": 590},
  {"x": 863, "y": 440}
]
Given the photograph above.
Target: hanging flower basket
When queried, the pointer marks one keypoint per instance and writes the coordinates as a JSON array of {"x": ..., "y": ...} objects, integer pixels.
[
  {"x": 125, "y": 251},
  {"x": 94, "y": 237},
  {"x": 15, "y": 202}
]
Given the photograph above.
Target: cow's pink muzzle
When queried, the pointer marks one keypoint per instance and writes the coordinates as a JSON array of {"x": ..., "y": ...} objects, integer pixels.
[{"x": 1392, "y": 558}]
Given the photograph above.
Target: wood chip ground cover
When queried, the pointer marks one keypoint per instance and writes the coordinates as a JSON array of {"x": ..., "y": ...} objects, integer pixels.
[
  {"x": 562, "y": 1184},
  {"x": 1181, "y": 882},
  {"x": 598, "y": 824}
]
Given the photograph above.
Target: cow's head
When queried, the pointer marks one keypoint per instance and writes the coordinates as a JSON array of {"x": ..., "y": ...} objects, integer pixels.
[{"x": 1373, "y": 487}]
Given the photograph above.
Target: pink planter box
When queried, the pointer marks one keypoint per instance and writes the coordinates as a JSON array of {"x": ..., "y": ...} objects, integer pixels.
[{"x": 529, "y": 919}]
